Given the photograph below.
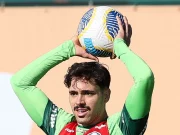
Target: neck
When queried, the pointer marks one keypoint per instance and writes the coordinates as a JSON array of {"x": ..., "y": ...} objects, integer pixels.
[{"x": 105, "y": 116}]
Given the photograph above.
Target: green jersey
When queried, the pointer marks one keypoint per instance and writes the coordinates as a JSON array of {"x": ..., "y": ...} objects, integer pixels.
[{"x": 132, "y": 120}]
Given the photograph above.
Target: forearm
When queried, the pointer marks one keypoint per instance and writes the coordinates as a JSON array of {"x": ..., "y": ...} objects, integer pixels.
[
  {"x": 32, "y": 73},
  {"x": 24, "y": 81},
  {"x": 135, "y": 65},
  {"x": 139, "y": 98}
]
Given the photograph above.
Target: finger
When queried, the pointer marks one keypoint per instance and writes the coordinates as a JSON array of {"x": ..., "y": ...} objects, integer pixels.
[
  {"x": 78, "y": 42},
  {"x": 113, "y": 56},
  {"x": 119, "y": 23},
  {"x": 89, "y": 56},
  {"x": 126, "y": 26}
]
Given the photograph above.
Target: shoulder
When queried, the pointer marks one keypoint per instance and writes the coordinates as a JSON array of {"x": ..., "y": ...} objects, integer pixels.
[
  {"x": 113, "y": 122},
  {"x": 55, "y": 119}
]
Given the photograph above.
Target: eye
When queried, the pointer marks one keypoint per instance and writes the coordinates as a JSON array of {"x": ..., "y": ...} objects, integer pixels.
[
  {"x": 89, "y": 93},
  {"x": 73, "y": 93}
]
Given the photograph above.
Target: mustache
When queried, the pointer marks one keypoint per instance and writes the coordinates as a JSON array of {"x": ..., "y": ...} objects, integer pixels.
[{"x": 82, "y": 106}]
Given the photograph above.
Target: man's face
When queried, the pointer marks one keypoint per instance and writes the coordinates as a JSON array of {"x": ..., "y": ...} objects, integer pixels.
[{"x": 87, "y": 102}]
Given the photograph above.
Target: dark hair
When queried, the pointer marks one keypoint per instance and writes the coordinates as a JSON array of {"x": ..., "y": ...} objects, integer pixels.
[{"x": 89, "y": 71}]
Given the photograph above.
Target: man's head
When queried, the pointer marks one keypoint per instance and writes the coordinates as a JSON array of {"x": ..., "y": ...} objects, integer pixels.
[{"x": 88, "y": 84}]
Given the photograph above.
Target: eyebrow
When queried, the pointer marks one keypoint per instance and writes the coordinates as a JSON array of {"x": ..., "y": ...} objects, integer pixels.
[
  {"x": 83, "y": 91},
  {"x": 72, "y": 91}
]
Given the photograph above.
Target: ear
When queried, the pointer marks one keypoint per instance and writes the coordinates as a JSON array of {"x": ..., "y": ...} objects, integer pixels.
[{"x": 107, "y": 93}]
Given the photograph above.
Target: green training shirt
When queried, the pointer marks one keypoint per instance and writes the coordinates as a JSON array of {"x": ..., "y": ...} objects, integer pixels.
[{"x": 132, "y": 120}]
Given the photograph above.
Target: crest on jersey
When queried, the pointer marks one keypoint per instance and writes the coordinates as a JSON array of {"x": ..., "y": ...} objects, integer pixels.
[{"x": 94, "y": 133}]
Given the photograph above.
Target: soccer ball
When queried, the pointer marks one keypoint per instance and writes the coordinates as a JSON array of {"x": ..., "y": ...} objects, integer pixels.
[{"x": 97, "y": 29}]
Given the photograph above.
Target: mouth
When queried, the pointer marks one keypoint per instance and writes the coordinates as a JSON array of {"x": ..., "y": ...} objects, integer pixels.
[{"x": 81, "y": 112}]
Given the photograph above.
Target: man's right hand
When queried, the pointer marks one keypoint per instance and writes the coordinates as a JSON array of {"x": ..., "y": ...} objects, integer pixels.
[{"x": 81, "y": 51}]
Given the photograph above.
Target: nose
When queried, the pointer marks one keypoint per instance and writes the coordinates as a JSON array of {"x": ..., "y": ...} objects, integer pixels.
[{"x": 80, "y": 100}]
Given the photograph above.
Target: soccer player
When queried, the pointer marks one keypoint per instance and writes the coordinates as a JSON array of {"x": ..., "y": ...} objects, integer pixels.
[{"x": 88, "y": 84}]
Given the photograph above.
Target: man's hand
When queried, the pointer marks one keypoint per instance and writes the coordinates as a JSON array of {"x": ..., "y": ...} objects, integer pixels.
[
  {"x": 81, "y": 51},
  {"x": 124, "y": 32}
]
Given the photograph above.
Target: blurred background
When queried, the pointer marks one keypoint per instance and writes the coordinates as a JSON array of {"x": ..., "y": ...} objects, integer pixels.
[{"x": 30, "y": 28}]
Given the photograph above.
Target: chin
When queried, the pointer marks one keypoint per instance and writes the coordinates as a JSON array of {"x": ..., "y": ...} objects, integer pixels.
[{"x": 83, "y": 121}]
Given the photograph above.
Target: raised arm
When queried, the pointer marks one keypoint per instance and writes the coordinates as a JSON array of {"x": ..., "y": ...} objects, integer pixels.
[
  {"x": 24, "y": 81},
  {"x": 138, "y": 101},
  {"x": 135, "y": 113}
]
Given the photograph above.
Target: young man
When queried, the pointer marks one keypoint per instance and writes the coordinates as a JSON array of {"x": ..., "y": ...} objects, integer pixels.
[{"x": 88, "y": 85}]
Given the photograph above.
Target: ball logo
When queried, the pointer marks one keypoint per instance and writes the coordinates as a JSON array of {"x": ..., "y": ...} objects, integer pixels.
[
  {"x": 84, "y": 21},
  {"x": 112, "y": 25}
]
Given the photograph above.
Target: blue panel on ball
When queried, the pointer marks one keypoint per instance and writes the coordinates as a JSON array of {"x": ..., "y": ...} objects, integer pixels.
[
  {"x": 111, "y": 22},
  {"x": 84, "y": 20},
  {"x": 90, "y": 49}
]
